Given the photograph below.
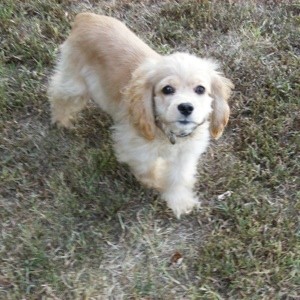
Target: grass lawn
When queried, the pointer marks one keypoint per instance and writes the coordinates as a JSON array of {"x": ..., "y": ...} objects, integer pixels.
[{"x": 75, "y": 224}]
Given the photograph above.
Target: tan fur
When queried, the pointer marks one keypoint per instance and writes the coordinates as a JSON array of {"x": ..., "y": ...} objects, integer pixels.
[
  {"x": 96, "y": 41},
  {"x": 99, "y": 39},
  {"x": 104, "y": 61},
  {"x": 221, "y": 90},
  {"x": 139, "y": 95}
]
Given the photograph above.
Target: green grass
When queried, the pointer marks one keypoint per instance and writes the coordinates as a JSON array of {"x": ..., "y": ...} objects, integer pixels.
[{"x": 75, "y": 224}]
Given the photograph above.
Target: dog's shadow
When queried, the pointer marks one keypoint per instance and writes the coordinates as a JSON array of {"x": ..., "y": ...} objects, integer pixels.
[{"x": 101, "y": 184}]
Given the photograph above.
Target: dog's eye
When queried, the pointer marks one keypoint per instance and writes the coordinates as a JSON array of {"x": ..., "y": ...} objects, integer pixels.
[
  {"x": 200, "y": 90},
  {"x": 168, "y": 90}
]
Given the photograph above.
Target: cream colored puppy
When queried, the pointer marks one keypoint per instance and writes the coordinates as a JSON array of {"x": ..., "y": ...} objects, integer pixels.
[{"x": 164, "y": 107}]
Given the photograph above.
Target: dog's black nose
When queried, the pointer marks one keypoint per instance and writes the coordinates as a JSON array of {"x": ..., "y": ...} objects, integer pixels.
[{"x": 186, "y": 108}]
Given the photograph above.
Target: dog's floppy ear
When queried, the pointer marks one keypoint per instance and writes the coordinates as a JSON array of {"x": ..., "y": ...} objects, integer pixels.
[
  {"x": 220, "y": 91},
  {"x": 139, "y": 97}
]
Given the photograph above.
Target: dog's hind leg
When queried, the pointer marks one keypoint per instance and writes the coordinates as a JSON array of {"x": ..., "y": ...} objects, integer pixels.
[
  {"x": 68, "y": 96},
  {"x": 67, "y": 91}
]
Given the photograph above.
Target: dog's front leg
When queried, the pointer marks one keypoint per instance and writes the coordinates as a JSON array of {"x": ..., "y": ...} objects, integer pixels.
[{"x": 179, "y": 182}]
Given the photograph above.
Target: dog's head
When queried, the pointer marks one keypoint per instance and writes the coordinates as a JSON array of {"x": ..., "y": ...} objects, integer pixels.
[{"x": 179, "y": 92}]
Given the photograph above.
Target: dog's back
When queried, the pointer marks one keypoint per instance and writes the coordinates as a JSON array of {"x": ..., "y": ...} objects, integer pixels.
[
  {"x": 96, "y": 61},
  {"x": 108, "y": 43}
]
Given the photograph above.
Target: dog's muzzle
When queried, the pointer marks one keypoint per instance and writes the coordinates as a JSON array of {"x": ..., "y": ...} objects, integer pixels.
[{"x": 172, "y": 136}]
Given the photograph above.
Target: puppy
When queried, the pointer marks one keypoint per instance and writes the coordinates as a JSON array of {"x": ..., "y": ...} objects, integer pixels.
[{"x": 164, "y": 107}]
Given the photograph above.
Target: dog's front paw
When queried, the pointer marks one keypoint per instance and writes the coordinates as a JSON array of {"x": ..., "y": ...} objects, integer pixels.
[{"x": 181, "y": 203}]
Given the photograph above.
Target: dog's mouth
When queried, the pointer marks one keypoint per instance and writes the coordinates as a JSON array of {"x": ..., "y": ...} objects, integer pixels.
[
  {"x": 183, "y": 125},
  {"x": 180, "y": 129},
  {"x": 184, "y": 122},
  {"x": 177, "y": 129}
]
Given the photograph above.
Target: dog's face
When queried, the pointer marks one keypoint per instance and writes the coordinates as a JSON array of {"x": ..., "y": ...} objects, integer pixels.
[
  {"x": 179, "y": 91},
  {"x": 182, "y": 98}
]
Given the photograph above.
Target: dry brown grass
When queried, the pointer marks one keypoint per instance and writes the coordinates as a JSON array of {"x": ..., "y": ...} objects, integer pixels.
[{"x": 76, "y": 225}]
